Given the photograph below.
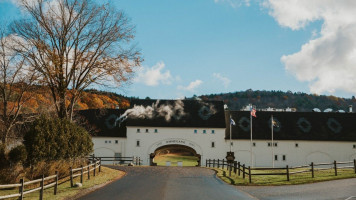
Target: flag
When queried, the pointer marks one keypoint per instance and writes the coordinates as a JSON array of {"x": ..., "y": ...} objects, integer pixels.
[
  {"x": 275, "y": 124},
  {"x": 253, "y": 112},
  {"x": 232, "y": 122}
]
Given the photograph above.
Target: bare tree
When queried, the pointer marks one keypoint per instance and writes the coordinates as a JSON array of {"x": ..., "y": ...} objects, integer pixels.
[
  {"x": 16, "y": 81},
  {"x": 74, "y": 44}
]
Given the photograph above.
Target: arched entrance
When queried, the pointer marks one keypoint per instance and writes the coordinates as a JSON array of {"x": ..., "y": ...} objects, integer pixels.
[{"x": 175, "y": 152}]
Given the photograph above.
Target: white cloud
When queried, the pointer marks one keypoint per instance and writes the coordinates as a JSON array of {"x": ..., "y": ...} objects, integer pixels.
[
  {"x": 225, "y": 81},
  {"x": 328, "y": 60},
  {"x": 192, "y": 86},
  {"x": 154, "y": 76},
  {"x": 234, "y": 3}
]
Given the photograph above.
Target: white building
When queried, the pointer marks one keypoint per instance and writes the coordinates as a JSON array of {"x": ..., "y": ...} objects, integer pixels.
[{"x": 203, "y": 127}]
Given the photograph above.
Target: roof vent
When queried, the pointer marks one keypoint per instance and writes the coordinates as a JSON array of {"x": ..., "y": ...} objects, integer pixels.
[
  {"x": 316, "y": 110},
  {"x": 328, "y": 110}
]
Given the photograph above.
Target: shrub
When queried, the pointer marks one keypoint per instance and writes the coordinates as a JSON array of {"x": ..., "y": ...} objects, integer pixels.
[
  {"x": 18, "y": 154},
  {"x": 56, "y": 139}
]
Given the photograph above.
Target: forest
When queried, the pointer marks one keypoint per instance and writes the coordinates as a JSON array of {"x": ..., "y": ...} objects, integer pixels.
[{"x": 303, "y": 102}]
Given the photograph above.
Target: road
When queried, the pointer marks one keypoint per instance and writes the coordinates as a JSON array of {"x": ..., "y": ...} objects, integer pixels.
[
  {"x": 333, "y": 190},
  {"x": 171, "y": 183}
]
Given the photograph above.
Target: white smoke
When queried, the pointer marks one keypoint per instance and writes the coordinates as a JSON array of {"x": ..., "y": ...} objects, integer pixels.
[{"x": 148, "y": 112}]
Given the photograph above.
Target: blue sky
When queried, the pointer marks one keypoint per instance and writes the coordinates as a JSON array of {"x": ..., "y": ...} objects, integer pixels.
[{"x": 213, "y": 46}]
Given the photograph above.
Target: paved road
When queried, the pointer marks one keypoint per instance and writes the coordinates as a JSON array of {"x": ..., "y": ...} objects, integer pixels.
[
  {"x": 156, "y": 183},
  {"x": 333, "y": 190}
]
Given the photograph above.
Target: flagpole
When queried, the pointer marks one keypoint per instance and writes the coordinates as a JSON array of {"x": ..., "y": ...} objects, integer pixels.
[
  {"x": 251, "y": 136},
  {"x": 272, "y": 143},
  {"x": 230, "y": 132}
]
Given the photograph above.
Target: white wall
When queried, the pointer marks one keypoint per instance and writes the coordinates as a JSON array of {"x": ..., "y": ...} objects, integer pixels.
[
  {"x": 108, "y": 146},
  {"x": 305, "y": 153}
]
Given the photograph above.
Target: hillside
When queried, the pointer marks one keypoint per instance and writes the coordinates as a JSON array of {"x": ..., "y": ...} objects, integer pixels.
[
  {"x": 41, "y": 100},
  {"x": 279, "y": 99}
]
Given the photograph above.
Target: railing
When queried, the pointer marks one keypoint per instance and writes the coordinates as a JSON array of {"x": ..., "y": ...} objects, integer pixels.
[
  {"x": 54, "y": 183},
  {"x": 121, "y": 160},
  {"x": 239, "y": 168}
]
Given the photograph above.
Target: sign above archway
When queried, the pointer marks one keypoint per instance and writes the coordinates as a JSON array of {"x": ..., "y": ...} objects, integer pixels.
[{"x": 176, "y": 141}]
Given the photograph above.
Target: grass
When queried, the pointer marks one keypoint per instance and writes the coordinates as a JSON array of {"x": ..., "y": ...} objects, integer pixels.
[
  {"x": 294, "y": 179},
  {"x": 174, "y": 158},
  {"x": 66, "y": 192}
]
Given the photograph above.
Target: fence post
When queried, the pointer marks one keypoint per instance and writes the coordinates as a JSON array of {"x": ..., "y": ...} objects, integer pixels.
[
  {"x": 355, "y": 165},
  {"x": 238, "y": 166},
  {"x": 21, "y": 188},
  {"x": 139, "y": 161},
  {"x": 94, "y": 168},
  {"x": 230, "y": 168},
  {"x": 71, "y": 177},
  {"x": 249, "y": 174},
  {"x": 218, "y": 163},
  {"x": 213, "y": 163},
  {"x": 335, "y": 166},
  {"x": 235, "y": 165},
  {"x": 223, "y": 163},
  {"x": 81, "y": 174},
  {"x": 100, "y": 164},
  {"x": 88, "y": 171},
  {"x": 312, "y": 169},
  {"x": 287, "y": 172},
  {"x": 56, "y": 185},
  {"x": 93, "y": 156},
  {"x": 42, "y": 185},
  {"x": 243, "y": 171}
]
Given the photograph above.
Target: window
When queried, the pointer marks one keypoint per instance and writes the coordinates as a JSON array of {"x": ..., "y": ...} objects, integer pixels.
[
  {"x": 296, "y": 145},
  {"x": 156, "y": 130},
  {"x": 110, "y": 141},
  {"x": 195, "y": 131},
  {"x": 212, "y": 144},
  {"x": 116, "y": 141},
  {"x": 138, "y": 130},
  {"x": 284, "y": 157},
  {"x": 146, "y": 130},
  {"x": 276, "y": 144},
  {"x": 204, "y": 131},
  {"x": 269, "y": 144},
  {"x": 275, "y": 157},
  {"x": 106, "y": 141},
  {"x": 213, "y": 131},
  {"x": 354, "y": 146},
  {"x": 232, "y": 144},
  {"x": 254, "y": 144},
  {"x": 138, "y": 143}
]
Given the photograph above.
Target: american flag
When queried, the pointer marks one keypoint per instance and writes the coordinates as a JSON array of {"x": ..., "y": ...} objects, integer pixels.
[{"x": 253, "y": 112}]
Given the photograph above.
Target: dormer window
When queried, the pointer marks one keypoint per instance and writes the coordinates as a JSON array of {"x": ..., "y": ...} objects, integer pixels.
[{"x": 138, "y": 130}]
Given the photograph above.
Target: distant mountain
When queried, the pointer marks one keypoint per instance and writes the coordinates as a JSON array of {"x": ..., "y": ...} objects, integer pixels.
[{"x": 279, "y": 99}]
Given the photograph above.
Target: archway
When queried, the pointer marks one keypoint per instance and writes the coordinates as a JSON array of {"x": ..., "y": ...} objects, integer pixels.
[{"x": 175, "y": 154}]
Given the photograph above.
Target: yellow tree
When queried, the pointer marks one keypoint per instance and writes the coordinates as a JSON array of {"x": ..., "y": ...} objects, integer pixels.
[
  {"x": 74, "y": 44},
  {"x": 16, "y": 80}
]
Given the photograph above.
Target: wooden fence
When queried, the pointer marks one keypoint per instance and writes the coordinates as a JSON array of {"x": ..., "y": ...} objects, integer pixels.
[
  {"x": 242, "y": 169},
  {"x": 54, "y": 183}
]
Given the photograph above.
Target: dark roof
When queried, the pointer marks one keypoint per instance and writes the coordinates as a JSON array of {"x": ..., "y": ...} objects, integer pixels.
[
  {"x": 186, "y": 113},
  {"x": 294, "y": 126},
  {"x": 102, "y": 122}
]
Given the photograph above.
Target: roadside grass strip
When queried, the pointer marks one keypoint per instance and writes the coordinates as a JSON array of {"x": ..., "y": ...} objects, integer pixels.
[
  {"x": 64, "y": 189},
  {"x": 173, "y": 158},
  {"x": 267, "y": 180}
]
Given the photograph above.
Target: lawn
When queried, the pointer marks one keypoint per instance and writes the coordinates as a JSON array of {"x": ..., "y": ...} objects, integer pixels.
[
  {"x": 66, "y": 192},
  {"x": 174, "y": 158},
  {"x": 301, "y": 178}
]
